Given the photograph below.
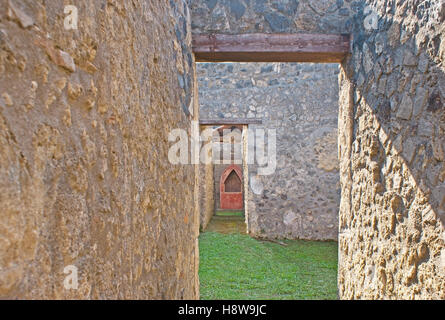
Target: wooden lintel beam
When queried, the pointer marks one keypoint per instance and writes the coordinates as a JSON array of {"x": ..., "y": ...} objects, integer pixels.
[
  {"x": 220, "y": 122},
  {"x": 262, "y": 47}
]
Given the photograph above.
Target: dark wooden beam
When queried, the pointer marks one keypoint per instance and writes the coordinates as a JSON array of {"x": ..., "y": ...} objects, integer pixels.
[
  {"x": 219, "y": 122},
  {"x": 262, "y": 47}
]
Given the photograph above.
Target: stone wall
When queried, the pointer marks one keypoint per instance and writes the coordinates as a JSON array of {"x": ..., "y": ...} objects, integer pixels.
[
  {"x": 273, "y": 16},
  {"x": 392, "y": 142},
  {"x": 207, "y": 195},
  {"x": 84, "y": 174},
  {"x": 206, "y": 189},
  {"x": 300, "y": 101},
  {"x": 218, "y": 169}
]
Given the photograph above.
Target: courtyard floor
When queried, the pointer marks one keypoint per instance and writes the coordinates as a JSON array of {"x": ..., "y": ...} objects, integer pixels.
[{"x": 236, "y": 266}]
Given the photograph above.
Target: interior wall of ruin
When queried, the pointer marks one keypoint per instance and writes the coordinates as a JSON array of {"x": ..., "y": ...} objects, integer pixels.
[
  {"x": 300, "y": 200},
  {"x": 206, "y": 183},
  {"x": 85, "y": 179},
  {"x": 392, "y": 142}
]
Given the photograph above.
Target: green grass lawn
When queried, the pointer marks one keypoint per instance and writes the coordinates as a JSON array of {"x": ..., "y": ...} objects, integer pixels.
[{"x": 235, "y": 266}]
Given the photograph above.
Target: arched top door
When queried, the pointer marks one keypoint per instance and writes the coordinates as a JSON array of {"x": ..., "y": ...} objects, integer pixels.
[
  {"x": 232, "y": 183},
  {"x": 231, "y": 179}
]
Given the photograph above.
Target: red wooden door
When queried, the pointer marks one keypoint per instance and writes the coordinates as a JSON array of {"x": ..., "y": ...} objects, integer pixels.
[{"x": 231, "y": 188}]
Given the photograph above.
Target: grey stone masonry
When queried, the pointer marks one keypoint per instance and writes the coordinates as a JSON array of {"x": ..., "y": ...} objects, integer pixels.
[{"x": 273, "y": 16}]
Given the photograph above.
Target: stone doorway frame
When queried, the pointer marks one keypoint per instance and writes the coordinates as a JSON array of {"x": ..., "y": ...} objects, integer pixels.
[
  {"x": 271, "y": 47},
  {"x": 244, "y": 140},
  {"x": 267, "y": 47}
]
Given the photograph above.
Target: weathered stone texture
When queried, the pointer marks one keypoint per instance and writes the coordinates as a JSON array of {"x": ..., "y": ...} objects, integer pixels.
[
  {"x": 207, "y": 195},
  {"x": 206, "y": 188},
  {"x": 218, "y": 169},
  {"x": 300, "y": 101},
  {"x": 273, "y": 16},
  {"x": 392, "y": 137},
  {"x": 84, "y": 174}
]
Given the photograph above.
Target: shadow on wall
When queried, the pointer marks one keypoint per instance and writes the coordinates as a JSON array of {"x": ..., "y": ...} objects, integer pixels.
[{"x": 392, "y": 143}]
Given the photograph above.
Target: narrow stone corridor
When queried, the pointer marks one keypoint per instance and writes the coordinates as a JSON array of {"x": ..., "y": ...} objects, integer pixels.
[{"x": 105, "y": 193}]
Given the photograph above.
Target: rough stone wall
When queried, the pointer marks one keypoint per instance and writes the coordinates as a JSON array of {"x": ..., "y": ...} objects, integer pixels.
[
  {"x": 207, "y": 195},
  {"x": 84, "y": 175},
  {"x": 206, "y": 190},
  {"x": 218, "y": 169},
  {"x": 273, "y": 16},
  {"x": 300, "y": 101},
  {"x": 392, "y": 142}
]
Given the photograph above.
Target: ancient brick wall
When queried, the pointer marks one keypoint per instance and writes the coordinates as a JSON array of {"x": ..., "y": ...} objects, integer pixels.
[
  {"x": 300, "y": 101},
  {"x": 84, "y": 174},
  {"x": 392, "y": 142}
]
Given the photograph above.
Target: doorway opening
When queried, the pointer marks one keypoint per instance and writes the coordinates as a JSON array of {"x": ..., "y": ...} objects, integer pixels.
[
  {"x": 299, "y": 197},
  {"x": 231, "y": 193},
  {"x": 300, "y": 200}
]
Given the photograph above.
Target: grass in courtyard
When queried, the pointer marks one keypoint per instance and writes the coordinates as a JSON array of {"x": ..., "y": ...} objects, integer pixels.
[{"x": 235, "y": 266}]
